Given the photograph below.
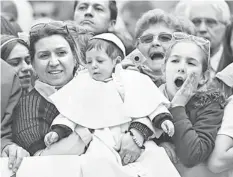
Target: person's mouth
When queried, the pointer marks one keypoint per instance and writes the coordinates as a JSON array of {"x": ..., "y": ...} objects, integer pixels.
[
  {"x": 55, "y": 72},
  {"x": 87, "y": 22},
  {"x": 179, "y": 81},
  {"x": 157, "y": 56}
]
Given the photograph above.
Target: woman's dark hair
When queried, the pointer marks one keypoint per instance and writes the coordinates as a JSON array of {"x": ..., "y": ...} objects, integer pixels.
[
  {"x": 227, "y": 51},
  {"x": 112, "y": 7},
  {"x": 7, "y": 47}
]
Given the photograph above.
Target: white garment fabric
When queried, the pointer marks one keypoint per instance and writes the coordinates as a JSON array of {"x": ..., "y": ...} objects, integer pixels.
[
  {"x": 226, "y": 75},
  {"x": 95, "y": 104},
  {"x": 214, "y": 62},
  {"x": 227, "y": 123}
]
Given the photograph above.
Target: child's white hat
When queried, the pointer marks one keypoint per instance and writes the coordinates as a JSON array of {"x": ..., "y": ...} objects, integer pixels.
[{"x": 112, "y": 38}]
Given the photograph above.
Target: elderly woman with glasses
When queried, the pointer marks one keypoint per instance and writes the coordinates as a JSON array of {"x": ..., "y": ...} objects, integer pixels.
[
  {"x": 15, "y": 51},
  {"x": 54, "y": 56},
  {"x": 153, "y": 35}
]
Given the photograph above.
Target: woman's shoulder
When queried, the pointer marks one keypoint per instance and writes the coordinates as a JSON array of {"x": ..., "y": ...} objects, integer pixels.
[{"x": 205, "y": 98}]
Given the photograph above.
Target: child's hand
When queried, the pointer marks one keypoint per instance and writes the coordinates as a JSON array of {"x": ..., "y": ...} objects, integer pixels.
[
  {"x": 186, "y": 91},
  {"x": 51, "y": 138},
  {"x": 168, "y": 127}
]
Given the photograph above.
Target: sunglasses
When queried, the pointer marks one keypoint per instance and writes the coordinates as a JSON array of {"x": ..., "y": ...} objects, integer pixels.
[
  {"x": 162, "y": 37},
  {"x": 204, "y": 44}
]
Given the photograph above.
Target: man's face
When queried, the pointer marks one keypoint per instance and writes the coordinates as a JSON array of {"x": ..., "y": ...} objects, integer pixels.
[
  {"x": 93, "y": 15},
  {"x": 208, "y": 24}
]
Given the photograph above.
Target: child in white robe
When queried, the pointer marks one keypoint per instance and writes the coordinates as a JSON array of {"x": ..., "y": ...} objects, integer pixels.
[{"x": 109, "y": 101}]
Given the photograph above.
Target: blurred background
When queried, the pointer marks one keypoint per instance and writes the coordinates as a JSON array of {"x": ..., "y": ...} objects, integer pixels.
[{"x": 28, "y": 12}]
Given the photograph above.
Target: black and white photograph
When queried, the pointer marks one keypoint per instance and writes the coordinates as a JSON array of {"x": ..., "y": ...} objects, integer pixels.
[{"x": 116, "y": 88}]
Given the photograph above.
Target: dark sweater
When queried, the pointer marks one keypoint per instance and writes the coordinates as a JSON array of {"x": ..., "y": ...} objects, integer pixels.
[
  {"x": 196, "y": 127},
  {"x": 31, "y": 122}
]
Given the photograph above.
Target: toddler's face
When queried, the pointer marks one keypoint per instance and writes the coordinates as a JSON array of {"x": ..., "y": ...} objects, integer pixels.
[
  {"x": 99, "y": 64},
  {"x": 185, "y": 58}
]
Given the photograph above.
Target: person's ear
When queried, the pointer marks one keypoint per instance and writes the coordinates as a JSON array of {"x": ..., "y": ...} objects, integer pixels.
[
  {"x": 111, "y": 26},
  {"x": 204, "y": 78},
  {"x": 117, "y": 60}
]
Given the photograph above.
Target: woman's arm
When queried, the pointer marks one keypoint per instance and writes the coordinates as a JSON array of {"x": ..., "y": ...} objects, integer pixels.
[
  {"x": 195, "y": 141},
  {"x": 221, "y": 158}
]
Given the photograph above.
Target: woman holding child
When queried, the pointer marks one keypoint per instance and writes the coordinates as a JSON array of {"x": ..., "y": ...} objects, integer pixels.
[{"x": 54, "y": 58}]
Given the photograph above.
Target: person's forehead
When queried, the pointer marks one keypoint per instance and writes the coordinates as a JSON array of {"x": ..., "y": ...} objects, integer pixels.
[
  {"x": 158, "y": 28},
  {"x": 94, "y": 2},
  {"x": 204, "y": 11}
]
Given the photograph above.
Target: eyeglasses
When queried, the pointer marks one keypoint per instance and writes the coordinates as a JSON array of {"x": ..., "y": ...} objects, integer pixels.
[
  {"x": 210, "y": 23},
  {"x": 204, "y": 44},
  {"x": 162, "y": 37}
]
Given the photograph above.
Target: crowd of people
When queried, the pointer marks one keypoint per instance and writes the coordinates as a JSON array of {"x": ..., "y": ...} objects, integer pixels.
[{"x": 160, "y": 87}]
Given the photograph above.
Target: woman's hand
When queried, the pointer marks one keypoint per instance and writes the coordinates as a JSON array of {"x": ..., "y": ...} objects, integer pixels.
[
  {"x": 15, "y": 154},
  {"x": 186, "y": 91},
  {"x": 170, "y": 150},
  {"x": 129, "y": 151}
]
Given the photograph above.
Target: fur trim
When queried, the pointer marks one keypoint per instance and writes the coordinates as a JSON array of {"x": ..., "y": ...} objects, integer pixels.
[{"x": 204, "y": 98}]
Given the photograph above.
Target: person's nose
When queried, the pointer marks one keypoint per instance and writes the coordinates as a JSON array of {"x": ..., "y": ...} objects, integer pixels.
[
  {"x": 156, "y": 42},
  {"x": 182, "y": 68},
  {"x": 54, "y": 61},
  {"x": 89, "y": 12},
  {"x": 202, "y": 28},
  {"x": 26, "y": 67},
  {"x": 94, "y": 65}
]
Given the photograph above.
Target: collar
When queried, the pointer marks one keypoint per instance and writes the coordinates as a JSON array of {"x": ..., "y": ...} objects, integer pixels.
[
  {"x": 214, "y": 60},
  {"x": 45, "y": 90}
]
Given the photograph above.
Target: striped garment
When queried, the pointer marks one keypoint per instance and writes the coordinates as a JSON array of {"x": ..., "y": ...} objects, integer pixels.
[{"x": 31, "y": 121}]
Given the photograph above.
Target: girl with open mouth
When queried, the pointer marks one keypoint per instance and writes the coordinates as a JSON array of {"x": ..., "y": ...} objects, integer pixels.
[{"x": 196, "y": 114}]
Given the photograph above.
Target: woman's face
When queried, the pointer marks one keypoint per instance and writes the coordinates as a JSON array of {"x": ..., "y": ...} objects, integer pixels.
[
  {"x": 20, "y": 59},
  {"x": 155, "y": 50},
  {"x": 182, "y": 63},
  {"x": 53, "y": 60}
]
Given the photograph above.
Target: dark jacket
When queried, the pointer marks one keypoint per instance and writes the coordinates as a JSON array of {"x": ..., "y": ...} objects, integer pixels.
[
  {"x": 32, "y": 120},
  {"x": 10, "y": 94},
  {"x": 196, "y": 127}
]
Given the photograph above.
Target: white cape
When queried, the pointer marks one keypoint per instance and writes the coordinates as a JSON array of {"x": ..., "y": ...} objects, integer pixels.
[{"x": 95, "y": 104}]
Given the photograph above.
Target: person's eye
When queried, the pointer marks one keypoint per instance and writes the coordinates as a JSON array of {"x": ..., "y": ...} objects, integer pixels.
[
  {"x": 165, "y": 37},
  {"x": 191, "y": 63},
  {"x": 89, "y": 62},
  {"x": 61, "y": 53},
  {"x": 211, "y": 22},
  {"x": 100, "y": 61},
  {"x": 99, "y": 9},
  {"x": 43, "y": 56},
  {"x": 147, "y": 39},
  {"x": 82, "y": 7},
  {"x": 175, "y": 61},
  {"x": 14, "y": 62},
  {"x": 196, "y": 22}
]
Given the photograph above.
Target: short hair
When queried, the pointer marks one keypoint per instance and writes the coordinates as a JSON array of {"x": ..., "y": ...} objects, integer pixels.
[
  {"x": 206, "y": 58},
  {"x": 184, "y": 8},
  {"x": 112, "y": 7},
  {"x": 111, "y": 49},
  {"x": 187, "y": 25},
  {"x": 156, "y": 16},
  {"x": 7, "y": 47},
  {"x": 67, "y": 31}
]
